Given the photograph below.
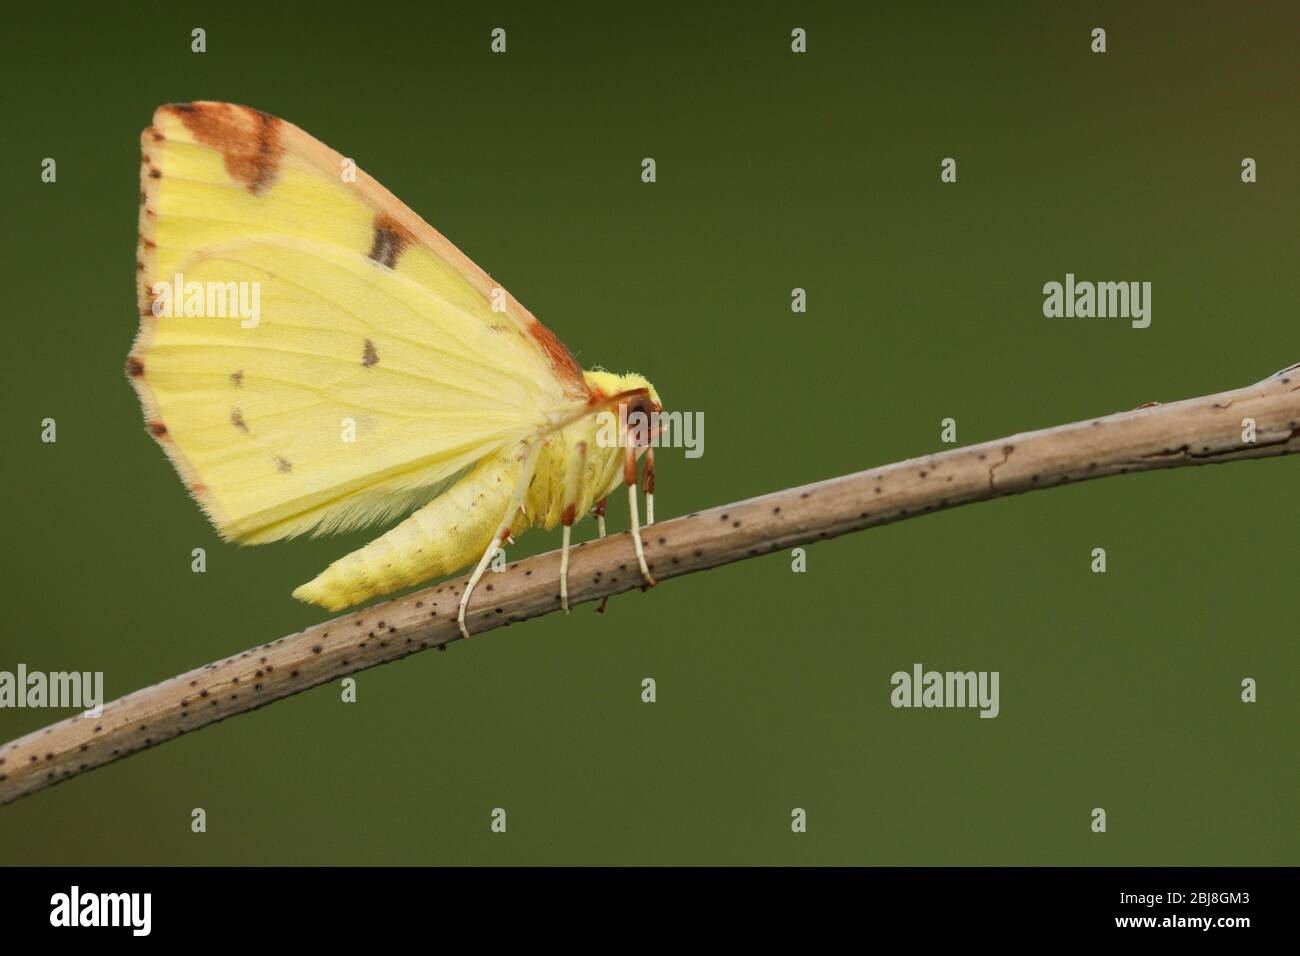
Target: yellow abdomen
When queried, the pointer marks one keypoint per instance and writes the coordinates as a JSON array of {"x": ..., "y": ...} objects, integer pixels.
[{"x": 455, "y": 529}]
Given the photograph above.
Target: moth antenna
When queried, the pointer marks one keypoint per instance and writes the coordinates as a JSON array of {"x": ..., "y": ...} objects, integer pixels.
[
  {"x": 502, "y": 533},
  {"x": 629, "y": 478},
  {"x": 649, "y": 479},
  {"x": 576, "y": 463}
]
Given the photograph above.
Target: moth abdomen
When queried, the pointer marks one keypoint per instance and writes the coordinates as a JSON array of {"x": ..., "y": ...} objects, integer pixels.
[{"x": 445, "y": 535}]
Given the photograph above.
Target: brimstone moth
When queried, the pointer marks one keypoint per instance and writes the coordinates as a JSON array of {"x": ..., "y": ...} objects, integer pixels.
[{"x": 380, "y": 371}]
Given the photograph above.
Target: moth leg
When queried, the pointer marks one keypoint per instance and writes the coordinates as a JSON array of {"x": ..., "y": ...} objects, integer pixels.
[
  {"x": 600, "y": 532},
  {"x": 576, "y": 463},
  {"x": 629, "y": 478},
  {"x": 502, "y": 533},
  {"x": 649, "y": 479}
]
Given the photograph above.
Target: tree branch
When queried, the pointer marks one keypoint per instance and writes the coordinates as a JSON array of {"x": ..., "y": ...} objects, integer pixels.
[{"x": 1193, "y": 432}]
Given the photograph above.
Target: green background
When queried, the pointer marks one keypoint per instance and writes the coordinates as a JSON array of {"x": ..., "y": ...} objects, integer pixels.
[{"x": 775, "y": 170}]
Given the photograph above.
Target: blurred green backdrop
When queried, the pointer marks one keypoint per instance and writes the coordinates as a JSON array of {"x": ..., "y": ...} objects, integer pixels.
[{"x": 775, "y": 170}]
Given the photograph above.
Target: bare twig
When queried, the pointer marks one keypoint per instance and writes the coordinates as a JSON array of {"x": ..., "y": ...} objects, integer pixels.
[{"x": 1215, "y": 428}]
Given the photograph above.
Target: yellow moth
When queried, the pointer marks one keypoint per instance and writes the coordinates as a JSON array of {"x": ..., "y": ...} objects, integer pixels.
[{"x": 314, "y": 357}]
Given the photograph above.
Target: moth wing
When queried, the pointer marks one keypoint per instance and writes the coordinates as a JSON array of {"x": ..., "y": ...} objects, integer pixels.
[{"x": 345, "y": 360}]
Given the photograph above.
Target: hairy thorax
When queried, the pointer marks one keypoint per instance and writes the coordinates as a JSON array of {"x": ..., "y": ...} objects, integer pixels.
[{"x": 596, "y": 440}]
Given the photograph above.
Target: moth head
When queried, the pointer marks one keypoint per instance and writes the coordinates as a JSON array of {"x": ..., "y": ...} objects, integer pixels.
[
  {"x": 640, "y": 410},
  {"x": 632, "y": 398},
  {"x": 643, "y": 404}
]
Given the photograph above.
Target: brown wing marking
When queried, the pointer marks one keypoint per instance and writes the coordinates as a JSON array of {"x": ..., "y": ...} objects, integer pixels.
[
  {"x": 249, "y": 140},
  {"x": 391, "y": 238}
]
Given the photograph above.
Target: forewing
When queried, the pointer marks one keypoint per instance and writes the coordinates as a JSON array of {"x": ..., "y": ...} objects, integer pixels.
[{"x": 345, "y": 359}]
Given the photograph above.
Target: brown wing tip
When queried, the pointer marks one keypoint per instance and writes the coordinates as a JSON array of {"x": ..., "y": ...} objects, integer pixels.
[
  {"x": 250, "y": 141},
  {"x": 150, "y": 135}
]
